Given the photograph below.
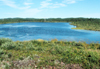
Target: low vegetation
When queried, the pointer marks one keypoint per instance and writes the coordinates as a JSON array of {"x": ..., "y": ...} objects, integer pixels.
[{"x": 54, "y": 54}]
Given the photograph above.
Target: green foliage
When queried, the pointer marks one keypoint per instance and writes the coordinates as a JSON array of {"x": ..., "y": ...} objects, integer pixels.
[
  {"x": 57, "y": 50},
  {"x": 88, "y": 24},
  {"x": 3, "y": 40},
  {"x": 29, "y": 46},
  {"x": 21, "y": 58},
  {"x": 93, "y": 57},
  {"x": 98, "y": 47},
  {"x": 19, "y": 45},
  {"x": 9, "y": 55},
  {"x": 1, "y": 52},
  {"x": 8, "y": 45},
  {"x": 7, "y": 66},
  {"x": 78, "y": 44},
  {"x": 45, "y": 53}
]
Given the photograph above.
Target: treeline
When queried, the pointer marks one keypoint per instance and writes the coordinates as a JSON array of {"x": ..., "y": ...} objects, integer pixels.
[
  {"x": 80, "y": 23},
  {"x": 88, "y": 24},
  {"x": 11, "y": 20}
]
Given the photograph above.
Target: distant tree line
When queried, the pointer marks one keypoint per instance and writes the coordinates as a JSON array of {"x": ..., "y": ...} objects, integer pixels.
[{"x": 84, "y": 23}]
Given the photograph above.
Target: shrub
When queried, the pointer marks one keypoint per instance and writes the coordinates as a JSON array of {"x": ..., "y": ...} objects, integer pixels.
[
  {"x": 54, "y": 40},
  {"x": 19, "y": 46},
  {"x": 73, "y": 43},
  {"x": 57, "y": 50},
  {"x": 34, "y": 41},
  {"x": 1, "y": 52},
  {"x": 78, "y": 44},
  {"x": 98, "y": 48},
  {"x": 3, "y": 40},
  {"x": 30, "y": 46},
  {"x": 21, "y": 58},
  {"x": 8, "y": 45},
  {"x": 93, "y": 45},
  {"x": 93, "y": 57},
  {"x": 9, "y": 55},
  {"x": 39, "y": 49},
  {"x": 2, "y": 55}
]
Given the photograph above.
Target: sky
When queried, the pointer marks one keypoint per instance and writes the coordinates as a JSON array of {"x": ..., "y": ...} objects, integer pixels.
[{"x": 49, "y": 8}]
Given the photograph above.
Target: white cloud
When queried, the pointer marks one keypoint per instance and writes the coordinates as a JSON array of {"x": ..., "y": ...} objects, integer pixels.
[
  {"x": 30, "y": 12},
  {"x": 25, "y": 10},
  {"x": 27, "y": 3},
  {"x": 9, "y": 3},
  {"x": 70, "y": 1},
  {"x": 45, "y": 4},
  {"x": 12, "y": 4},
  {"x": 49, "y": 4},
  {"x": 91, "y": 15},
  {"x": 59, "y": 4},
  {"x": 27, "y": 7}
]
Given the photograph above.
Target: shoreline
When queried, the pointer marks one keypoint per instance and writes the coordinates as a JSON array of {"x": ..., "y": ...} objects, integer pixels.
[{"x": 77, "y": 28}]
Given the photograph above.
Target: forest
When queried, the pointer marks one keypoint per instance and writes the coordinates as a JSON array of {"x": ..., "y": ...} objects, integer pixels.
[{"x": 80, "y": 23}]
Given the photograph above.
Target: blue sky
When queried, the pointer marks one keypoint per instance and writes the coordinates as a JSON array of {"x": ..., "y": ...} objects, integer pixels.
[{"x": 49, "y": 8}]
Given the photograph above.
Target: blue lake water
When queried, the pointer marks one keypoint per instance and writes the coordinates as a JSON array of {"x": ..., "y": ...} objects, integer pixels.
[{"x": 47, "y": 31}]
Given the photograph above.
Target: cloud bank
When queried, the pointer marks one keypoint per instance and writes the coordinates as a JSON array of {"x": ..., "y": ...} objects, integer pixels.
[{"x": 26, "y": 6}]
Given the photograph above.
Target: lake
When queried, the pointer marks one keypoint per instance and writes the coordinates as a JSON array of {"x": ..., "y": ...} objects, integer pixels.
[{"x": 47, "y": 31}]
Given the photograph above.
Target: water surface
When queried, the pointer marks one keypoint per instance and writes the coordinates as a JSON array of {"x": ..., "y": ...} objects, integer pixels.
[{"x": 46, "y": 31}]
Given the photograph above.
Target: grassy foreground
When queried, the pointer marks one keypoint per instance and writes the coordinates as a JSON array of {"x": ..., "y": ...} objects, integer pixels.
[{"x": 40, "y": 54}]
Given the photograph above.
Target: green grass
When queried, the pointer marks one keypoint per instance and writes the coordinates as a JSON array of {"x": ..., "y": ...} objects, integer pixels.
[{"x": 49, "y": 54}]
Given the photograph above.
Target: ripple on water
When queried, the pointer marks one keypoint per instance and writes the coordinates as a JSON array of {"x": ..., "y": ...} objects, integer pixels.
[{"x": 46, "y": 31}]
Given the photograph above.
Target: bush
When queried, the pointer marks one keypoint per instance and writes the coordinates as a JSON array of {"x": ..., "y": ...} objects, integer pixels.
[
  {"x": 98, "y": 48},
  {"x": 9, "y": 55},
  {"x": 92, "y": 57},
  {"x": 19, "y": 46},
  {"x": 1, "y": 52},
  {"x": 3, "y": 40},
  {"x": 8, "y": 45},
  {"x": 57, "y": 50},
  {"x": 21, "y": 58},
  {"x": 30, "y": 46},
  {"x": 39, "y": 49},
  {"x": 78, "y": 44}
]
